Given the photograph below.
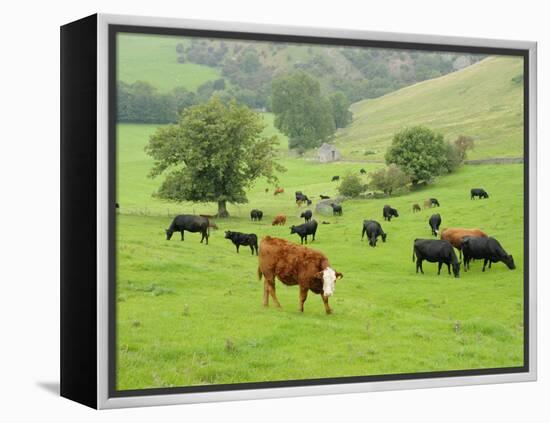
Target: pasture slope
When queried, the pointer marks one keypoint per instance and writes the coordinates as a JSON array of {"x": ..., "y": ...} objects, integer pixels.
[
  {"x": 482, "y": 101},
  {"x": 190, "y": 314}
]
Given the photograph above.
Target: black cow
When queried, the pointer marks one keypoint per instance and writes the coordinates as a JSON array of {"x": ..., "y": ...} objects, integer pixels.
[
  {"x": 436, "y": 251},
  {"x": 389, "y": 212},
  {"x": 307, "y": 215},
  {"x": 434, "y": 202},
  {"x": 324, "y": 197},
  {"x": 478, "y": 192},
  {"x": 488, "y": 249},
  {"x": 373, "y": 230},
  {"x": 305, "y": 229},
  {"x": 435, "y": 223},
  {"x": 256, "y": 215},
  {"x": 336, "y": 209},
  {"x": 117, "y": 206},
  {"x": 300, "y": 198},
  {"x": 238, "y": 238},
  {"x": 189, "y": 223},
  {"x": 335, "y": 178},
  {"x": 363, "y": 172}
]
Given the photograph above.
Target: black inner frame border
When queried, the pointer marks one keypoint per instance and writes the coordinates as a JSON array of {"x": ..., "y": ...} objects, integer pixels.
[{"x": 113, "y": 30}]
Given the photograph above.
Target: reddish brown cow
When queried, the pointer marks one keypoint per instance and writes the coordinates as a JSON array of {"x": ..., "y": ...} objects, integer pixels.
[
  {"x": 455, "y": 236},
  {"x": 294, "y": 264},
  {"x": 280, "y": 219},
  {"x": 278, "y": 191}
]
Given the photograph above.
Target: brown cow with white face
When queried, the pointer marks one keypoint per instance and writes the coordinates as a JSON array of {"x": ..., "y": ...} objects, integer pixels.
[{"x": 294, "y": 264}]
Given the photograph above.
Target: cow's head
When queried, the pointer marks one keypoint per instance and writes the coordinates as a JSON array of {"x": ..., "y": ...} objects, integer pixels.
[
  {"x": 394, "y": 212},
  {"x": 169, "y": 233},
  {"x": 228, "y": 234},
  {"x": 293, "y": 229},
  {"x": 509, "y": 261},
  {"x": 456, "y": 269},
  {"x": 384, "y": 236},
  {"x": 328, "y": 276}
]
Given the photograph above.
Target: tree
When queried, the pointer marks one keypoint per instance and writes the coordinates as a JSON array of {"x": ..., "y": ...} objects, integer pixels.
[
  {"x": 300, "y": 111},
  {"x": 419, "y": 152},
  {"x": 463, "y": 144},
  {"x": 340, "y": 105},
  {"x": 213, "y": 154},
  {"x": 389, "y": 179},
  {"x": 351, "y": 186}
]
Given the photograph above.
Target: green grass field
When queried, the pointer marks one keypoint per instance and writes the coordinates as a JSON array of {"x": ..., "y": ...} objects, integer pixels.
[
  {"x": 152, "y": 59},
  {"x": 190, "y": 314},
  {"x": 480, "y": 101}
]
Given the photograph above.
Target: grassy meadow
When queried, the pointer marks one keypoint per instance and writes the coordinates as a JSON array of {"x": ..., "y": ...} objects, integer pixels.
[
  {"x": 191, "y": 314},
  {"x": 481, "y": 101}
]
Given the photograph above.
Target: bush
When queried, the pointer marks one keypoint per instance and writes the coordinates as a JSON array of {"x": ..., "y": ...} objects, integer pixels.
[
  {"x": 351, "y": 186},
  {"x": 389, "y": 180}
]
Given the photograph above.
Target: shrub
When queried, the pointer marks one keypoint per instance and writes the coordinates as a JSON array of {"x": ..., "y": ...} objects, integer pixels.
[
  {"x": 389, "y": 180},
  {"x": 351, "y": 186}
]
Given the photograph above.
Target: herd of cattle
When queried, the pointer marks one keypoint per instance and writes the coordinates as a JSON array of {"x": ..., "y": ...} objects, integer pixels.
[{"x": 295, "y": 264}]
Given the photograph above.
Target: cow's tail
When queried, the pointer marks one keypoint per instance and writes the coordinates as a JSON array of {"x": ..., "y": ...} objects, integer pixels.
[{"x": 260, "y": 274}]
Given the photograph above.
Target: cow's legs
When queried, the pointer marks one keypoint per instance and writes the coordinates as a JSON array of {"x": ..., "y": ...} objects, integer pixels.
[
  {"x": 182, "y": 235},
  {"x": 439, "y": 267},
  {"x": 484, "y": 264},
  {"x": 303, "y": 297},
  {"x": 271, "y": 287},
  {"x": 449, "y": 268},
  {"x": 419, "y": 266},
  {"x": 266, "y": 292},
  {"x": 252, "y": 249},
  {"x": 237, "y": 248},
  {"x": 325, "y": 302}
]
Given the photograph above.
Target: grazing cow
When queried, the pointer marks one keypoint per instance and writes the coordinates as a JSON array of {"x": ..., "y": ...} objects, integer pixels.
[
  {"x": 266, "y": 190},
  {"x": 455, "y": 236},
  {"x": 435, "y": 223},
  {"x": 427, "y": 204},
  {"x": 486, "y": 248},
  {"x": 434, "y": 202},
  {"x": 301, "y": 199},
  {"x": 307, "y": 215},
  {"x": 416, "y": 208},
  {"x": 190, "y": 223},
  {"x": 305, "y": 229},
  {"x": 238, "y": 239},
  {"x": 478, "y": 192},
  {"x": 389, "y": 212},
  {"x": 294, "y": 264},
  {"x": 363, "y": 172},
  {"x": 436, "y": 251},
  {"x": 256, "y": 214},
  {"x": 336, "y": 209},
  {"x": 335, "y": 178},
  {"x": 278, "y": 191},
  {"x": 373, "y": 230},
  {"x": 324, "y": 222},
  {"x": 324, "y": 197},
  {"x": 280, "y": 219}
]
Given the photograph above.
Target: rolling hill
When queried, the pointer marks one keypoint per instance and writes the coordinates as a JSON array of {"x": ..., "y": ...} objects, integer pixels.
[{"x": 484, "y": 101}]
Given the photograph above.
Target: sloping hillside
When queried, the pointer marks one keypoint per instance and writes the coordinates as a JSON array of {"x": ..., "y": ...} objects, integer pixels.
[{"x": 484, "y": 101}]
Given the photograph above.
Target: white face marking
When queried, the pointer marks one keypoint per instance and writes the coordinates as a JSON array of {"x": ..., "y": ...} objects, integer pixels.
[{"x": 329, "y": 277}]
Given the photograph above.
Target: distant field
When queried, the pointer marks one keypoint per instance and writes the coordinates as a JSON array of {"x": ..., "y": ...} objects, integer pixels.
[
  {"x": 481, "y": 101},
  {"x": 190, "y": 314},
  {"x": 153, "y": 59}
]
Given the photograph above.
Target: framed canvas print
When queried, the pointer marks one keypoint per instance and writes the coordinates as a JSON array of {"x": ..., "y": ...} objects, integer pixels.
[{"x": 253, "y": 211}]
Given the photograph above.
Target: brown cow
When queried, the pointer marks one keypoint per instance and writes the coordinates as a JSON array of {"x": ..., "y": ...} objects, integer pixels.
[
  {"x": 416, "y": 208},
  {"x": 428, "y": 204},
  {"x": 278, "y": 191},
  {"x": 294, "y": 264},
  {"x": 280, "y": 219},
  {"x": 456, "y": 235}
]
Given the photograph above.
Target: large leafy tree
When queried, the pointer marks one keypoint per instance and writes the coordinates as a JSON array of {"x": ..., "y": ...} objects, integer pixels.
[
  {"x": 214, "y": 153},
  {"x": 419, "y": 152},
  {"x": 300, "y": 111},
  {"x": 340, "y": 106}
]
